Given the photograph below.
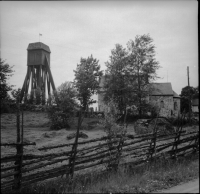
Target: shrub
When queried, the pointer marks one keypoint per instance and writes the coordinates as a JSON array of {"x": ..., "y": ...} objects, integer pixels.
[
  {"x": 58, "y": 118},
  {"x": 113, "y": 130},
  {"x": 143, "y": 126},
  {"x": 63, "y": 106},
  {"x": 177, "y": 121}
]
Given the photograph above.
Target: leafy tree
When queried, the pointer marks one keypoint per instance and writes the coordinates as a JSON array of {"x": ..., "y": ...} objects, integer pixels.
[
  {"x": 5, "y": 72},
  {"x": 16, "y": 94},
  {"x": 65, "y": 99},
  {"x": 187, "y": 94},
  {"x": 143, "y": 65},
  {"x": 86, "y": 80},
  {"x": 116, "y": 86},
  {"x": 133, "y": 68}
]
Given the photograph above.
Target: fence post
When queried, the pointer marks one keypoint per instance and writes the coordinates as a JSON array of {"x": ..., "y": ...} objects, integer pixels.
[
  {"x": 152, "y": 148},
  {"x": 177, "y": 139},
  {"x": 19, "y": 148},
  {"x": 196, "y": 144},
  {"x": 74, "y": 152}
]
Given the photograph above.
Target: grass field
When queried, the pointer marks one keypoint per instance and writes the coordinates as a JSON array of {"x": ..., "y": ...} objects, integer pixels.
[{"x": 37, "y": 129}]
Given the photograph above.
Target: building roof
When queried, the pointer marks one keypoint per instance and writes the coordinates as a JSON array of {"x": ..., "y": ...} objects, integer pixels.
[
  {"x": 38, "y": 45},
  {"x": 162, "y": 89},
  {"x": 156, "y": 89},
  {"x": 176, "y": 95}
]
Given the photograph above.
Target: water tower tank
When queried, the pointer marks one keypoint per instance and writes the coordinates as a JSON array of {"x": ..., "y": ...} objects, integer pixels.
[{"x": 37, "y": 52}]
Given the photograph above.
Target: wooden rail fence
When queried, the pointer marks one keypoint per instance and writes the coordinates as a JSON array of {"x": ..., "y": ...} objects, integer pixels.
[{"x": 22, "y": 170}]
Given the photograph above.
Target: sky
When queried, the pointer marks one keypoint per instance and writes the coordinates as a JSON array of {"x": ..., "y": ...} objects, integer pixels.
[{"x": 75, "y": 29}]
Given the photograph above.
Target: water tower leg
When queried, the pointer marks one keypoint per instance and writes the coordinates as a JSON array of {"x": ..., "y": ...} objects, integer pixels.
[
  {"x": 23, "y": 88},
  {"x": 27, "y": 83},
  {"x": 44, "y": 86},
  {"x": 50, "y": 75},
  {"x": 48, "y": 87},
  {"x": 39, "y": 76},
  {"x": 35, "y": 80},
  {"x": 32, "y": 82}
]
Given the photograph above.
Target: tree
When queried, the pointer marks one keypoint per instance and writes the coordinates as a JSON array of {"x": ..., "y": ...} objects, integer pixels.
[
  {"x": 187, "y": 94},
  {"x": 143, "y": 65},
  {"x": 16, "y": 94},
  {"x": 134, "y": 68},
  {"x": 86, "y": 80},
  {"x": 116, "y": 86},
  {"x": 5, "y": 72},
  {"x": 67, "y": 95},
  {"x": 65, "y": 99}
]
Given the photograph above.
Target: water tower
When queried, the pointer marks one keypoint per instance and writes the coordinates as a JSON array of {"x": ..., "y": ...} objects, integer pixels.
[{"x": 38, "y": 71}]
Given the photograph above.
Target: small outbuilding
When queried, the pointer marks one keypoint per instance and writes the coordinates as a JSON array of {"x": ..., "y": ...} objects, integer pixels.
[{"x": 167, "y": 100}]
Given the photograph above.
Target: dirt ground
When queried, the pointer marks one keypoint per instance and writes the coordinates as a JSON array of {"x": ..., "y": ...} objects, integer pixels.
[
  {"x": 36, "y": 129},
  {"x": 190, "y": 187}
]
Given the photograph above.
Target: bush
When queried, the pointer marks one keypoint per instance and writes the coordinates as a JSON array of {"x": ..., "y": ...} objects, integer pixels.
[
  {"x": 58, "y": 118},
  {"x": 5, "y": 108},
  {"x": 63, "y": 106},
  {"x": 133, "y": 118},
  {"x": 144, "y": 126},
  {"x": 184, "y": 121},
  {"x": 112, "y": 129},
  {"x": 141, "y": 127},
  {"x": 8, "y": 106}
]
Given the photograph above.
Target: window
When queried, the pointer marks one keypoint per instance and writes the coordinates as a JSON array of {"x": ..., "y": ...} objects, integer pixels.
[
  {"x": 162, "y": 104},
  {"x": 175, "y": 106}
]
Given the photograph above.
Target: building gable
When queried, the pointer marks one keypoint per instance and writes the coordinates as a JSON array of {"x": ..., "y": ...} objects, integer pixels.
[{"x": 161, "y": 89}]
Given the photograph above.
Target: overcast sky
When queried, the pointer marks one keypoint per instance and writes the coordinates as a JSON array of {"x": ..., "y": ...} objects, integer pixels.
[{"x": 75, "y": 29}]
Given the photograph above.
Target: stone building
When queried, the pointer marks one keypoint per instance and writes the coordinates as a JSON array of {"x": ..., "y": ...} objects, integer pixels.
[
  {"x": 161, "y": 95},
  {"x": 165, "y": 98}
]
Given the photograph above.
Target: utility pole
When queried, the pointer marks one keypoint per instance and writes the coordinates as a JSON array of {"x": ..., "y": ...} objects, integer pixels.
[
  {"x": 188, "y": 76},
  {"x": 189, "y": 95}
]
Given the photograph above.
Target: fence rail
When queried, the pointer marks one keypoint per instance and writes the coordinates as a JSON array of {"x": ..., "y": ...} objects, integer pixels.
[
  {"x": 95, "y": 155},
  {"x": 22, "y": 170}
]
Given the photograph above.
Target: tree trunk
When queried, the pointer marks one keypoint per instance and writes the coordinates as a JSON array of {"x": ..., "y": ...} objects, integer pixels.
[{"x": 139, "y": 94}]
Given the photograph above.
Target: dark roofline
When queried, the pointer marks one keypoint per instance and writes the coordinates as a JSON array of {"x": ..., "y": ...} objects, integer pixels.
[
  {"x": 175, "y": 95},
  {"x": 38, "y": 45},
  {"x": 161, "y": 95}
]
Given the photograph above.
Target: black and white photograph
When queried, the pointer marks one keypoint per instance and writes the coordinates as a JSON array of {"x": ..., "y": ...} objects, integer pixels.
[{"x": 99, "y": 96}]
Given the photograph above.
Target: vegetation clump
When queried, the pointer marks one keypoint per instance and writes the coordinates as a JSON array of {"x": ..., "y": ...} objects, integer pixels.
[
  {"x": 63, "y": 106},
  {"x": 115, "y": 132},
  {"x": 149, "y": 177}
]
